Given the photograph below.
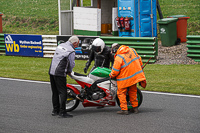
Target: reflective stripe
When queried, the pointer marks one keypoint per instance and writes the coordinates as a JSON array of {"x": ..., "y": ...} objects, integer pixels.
[
  {"x": 126, "y": 64},
  {"x": 122, "y": 58},
  {"x": 134, "y": 52},
  {"x": 115, "y": 69},
  {"x": 130, "y": 76}
]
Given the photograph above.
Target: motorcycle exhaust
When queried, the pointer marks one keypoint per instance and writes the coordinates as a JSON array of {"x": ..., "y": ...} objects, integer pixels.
[
  {"x": 74, "y": 95},
  {"x": 77, "y": 97}
]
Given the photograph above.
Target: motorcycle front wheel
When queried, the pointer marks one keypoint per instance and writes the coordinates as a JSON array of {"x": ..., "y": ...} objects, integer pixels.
[
  {"x": 71, "y": 103},
  {"x": 139, "y": 97}
]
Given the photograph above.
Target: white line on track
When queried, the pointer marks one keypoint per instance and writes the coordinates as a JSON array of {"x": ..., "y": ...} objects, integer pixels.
[
  {"x": 24, "y": 80},
  {"x": 171, "y": 94},
  {"x": 150, "y": 92}
]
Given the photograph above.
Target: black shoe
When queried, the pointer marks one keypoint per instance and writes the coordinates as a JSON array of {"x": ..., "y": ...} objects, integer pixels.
[
  {"x": 65, "y": 115},
  {"x": 54, "y": 113}
]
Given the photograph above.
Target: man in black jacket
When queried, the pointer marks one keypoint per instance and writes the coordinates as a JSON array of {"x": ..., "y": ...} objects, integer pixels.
[{"x": 100, "y": 53}]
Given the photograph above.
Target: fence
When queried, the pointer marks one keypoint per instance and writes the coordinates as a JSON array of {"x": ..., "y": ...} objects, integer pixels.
[
  {"x": 2, "y": 44},
  {"x": 146, "y": 47},
  {"x": 49, "y": 45},
  {"x": 193, "y": 47}
]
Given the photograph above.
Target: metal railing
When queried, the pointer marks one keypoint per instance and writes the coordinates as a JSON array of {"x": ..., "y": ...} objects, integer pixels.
[
  {"x": 146, "y": 47},
  {"x": 2, "y": 44},
  {"x": 49, "y": 45},
  {"x": 193, "y": 47}
]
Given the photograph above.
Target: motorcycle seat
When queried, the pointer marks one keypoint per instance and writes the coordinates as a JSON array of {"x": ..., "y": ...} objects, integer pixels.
[
  {"x": 78, "y": 74},
  {"x": 81, "y": 77}
]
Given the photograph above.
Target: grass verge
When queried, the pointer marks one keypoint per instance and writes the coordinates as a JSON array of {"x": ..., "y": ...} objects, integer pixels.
[
  {"x": 163, "y": 78},
  {"x": 41, "y": 16}
]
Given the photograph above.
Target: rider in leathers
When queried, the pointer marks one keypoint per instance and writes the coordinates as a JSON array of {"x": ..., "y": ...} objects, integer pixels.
[{"x": 101, "y": 54}]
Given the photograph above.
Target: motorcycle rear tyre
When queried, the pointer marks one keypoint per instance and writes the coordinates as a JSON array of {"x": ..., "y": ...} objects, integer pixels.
[
  {"x": 74, "y": 105},
  {"x": 139, "y": 96}
]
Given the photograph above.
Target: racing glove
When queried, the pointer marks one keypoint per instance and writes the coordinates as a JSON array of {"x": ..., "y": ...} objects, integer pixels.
[
  {"x": 87, "y": 66},
  {"x": 85, "y": 69}
]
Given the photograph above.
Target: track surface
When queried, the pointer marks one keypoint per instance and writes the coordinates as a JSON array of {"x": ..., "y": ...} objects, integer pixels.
[{"x": 26, "y": 107}]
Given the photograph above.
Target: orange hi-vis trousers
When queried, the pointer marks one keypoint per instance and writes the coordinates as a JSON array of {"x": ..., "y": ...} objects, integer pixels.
[{"x": 121, "y": 93}]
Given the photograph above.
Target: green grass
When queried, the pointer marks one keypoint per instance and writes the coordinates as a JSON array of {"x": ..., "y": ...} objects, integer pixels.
[
  {"x": 174, "y": 78},
  {"x": 41, "y": 16},
  {"x": 163, "y": 78},
  {"x": 190, "y": 8},
  {"x": 30, "y": 16},
  {"x": 32, "y": 68}
]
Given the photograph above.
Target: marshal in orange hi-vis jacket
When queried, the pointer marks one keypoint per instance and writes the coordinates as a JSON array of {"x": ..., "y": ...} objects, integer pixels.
[{"x": 127, "y": 69}]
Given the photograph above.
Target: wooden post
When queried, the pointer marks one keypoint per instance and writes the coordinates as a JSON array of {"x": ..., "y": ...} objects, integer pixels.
[
  {"x": 99, "y": 4},
  {"x": 1, "y": 23},
  {"x": 78, "y": 3}
]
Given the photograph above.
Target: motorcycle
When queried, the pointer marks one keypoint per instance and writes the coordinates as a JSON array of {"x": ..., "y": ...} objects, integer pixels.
[{"x": 96, "y": 89}]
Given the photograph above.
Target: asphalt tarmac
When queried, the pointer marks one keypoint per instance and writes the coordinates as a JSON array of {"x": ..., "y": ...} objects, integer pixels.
[{"x": 25, "y": 107}]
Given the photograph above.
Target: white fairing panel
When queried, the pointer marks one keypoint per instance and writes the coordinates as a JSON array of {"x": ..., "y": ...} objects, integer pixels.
[
  {"x": 112, "y": 86},
  {"x": 82, "y": 78},
  {"x": 105, "y": 84}
]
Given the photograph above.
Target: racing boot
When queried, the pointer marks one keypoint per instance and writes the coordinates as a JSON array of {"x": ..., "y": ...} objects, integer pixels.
[
  {"x": 54, "y": 113},
  {"x": 122, "y": 112},
  {"x": 134, "y": 110}
]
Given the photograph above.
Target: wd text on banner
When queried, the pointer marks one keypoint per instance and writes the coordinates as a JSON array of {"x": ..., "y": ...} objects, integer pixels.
[{"x": 23, "y": 45}]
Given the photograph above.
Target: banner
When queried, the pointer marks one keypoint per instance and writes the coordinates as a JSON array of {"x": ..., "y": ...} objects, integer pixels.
[
  {"x": 84, "y": 48},
  {"x": 23, "y": 45}
]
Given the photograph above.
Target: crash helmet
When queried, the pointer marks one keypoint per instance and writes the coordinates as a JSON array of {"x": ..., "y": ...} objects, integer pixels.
[
  {"x": 115, "y": 47},
  {"x": 98, "y": 45}
]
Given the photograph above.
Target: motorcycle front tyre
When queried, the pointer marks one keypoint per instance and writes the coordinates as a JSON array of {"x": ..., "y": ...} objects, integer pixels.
[
  {"x": 71, "y": 103},
  {"x": 139, "y": 97}
]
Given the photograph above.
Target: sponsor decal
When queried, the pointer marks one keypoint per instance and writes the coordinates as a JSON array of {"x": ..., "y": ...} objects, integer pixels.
[{"x": 23, "y": 45}]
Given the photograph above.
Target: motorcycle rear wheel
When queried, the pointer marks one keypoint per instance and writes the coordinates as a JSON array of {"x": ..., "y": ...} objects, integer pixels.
[
  {"x": 139, "y": 97},
  {"x": 71, "y": 103}
]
